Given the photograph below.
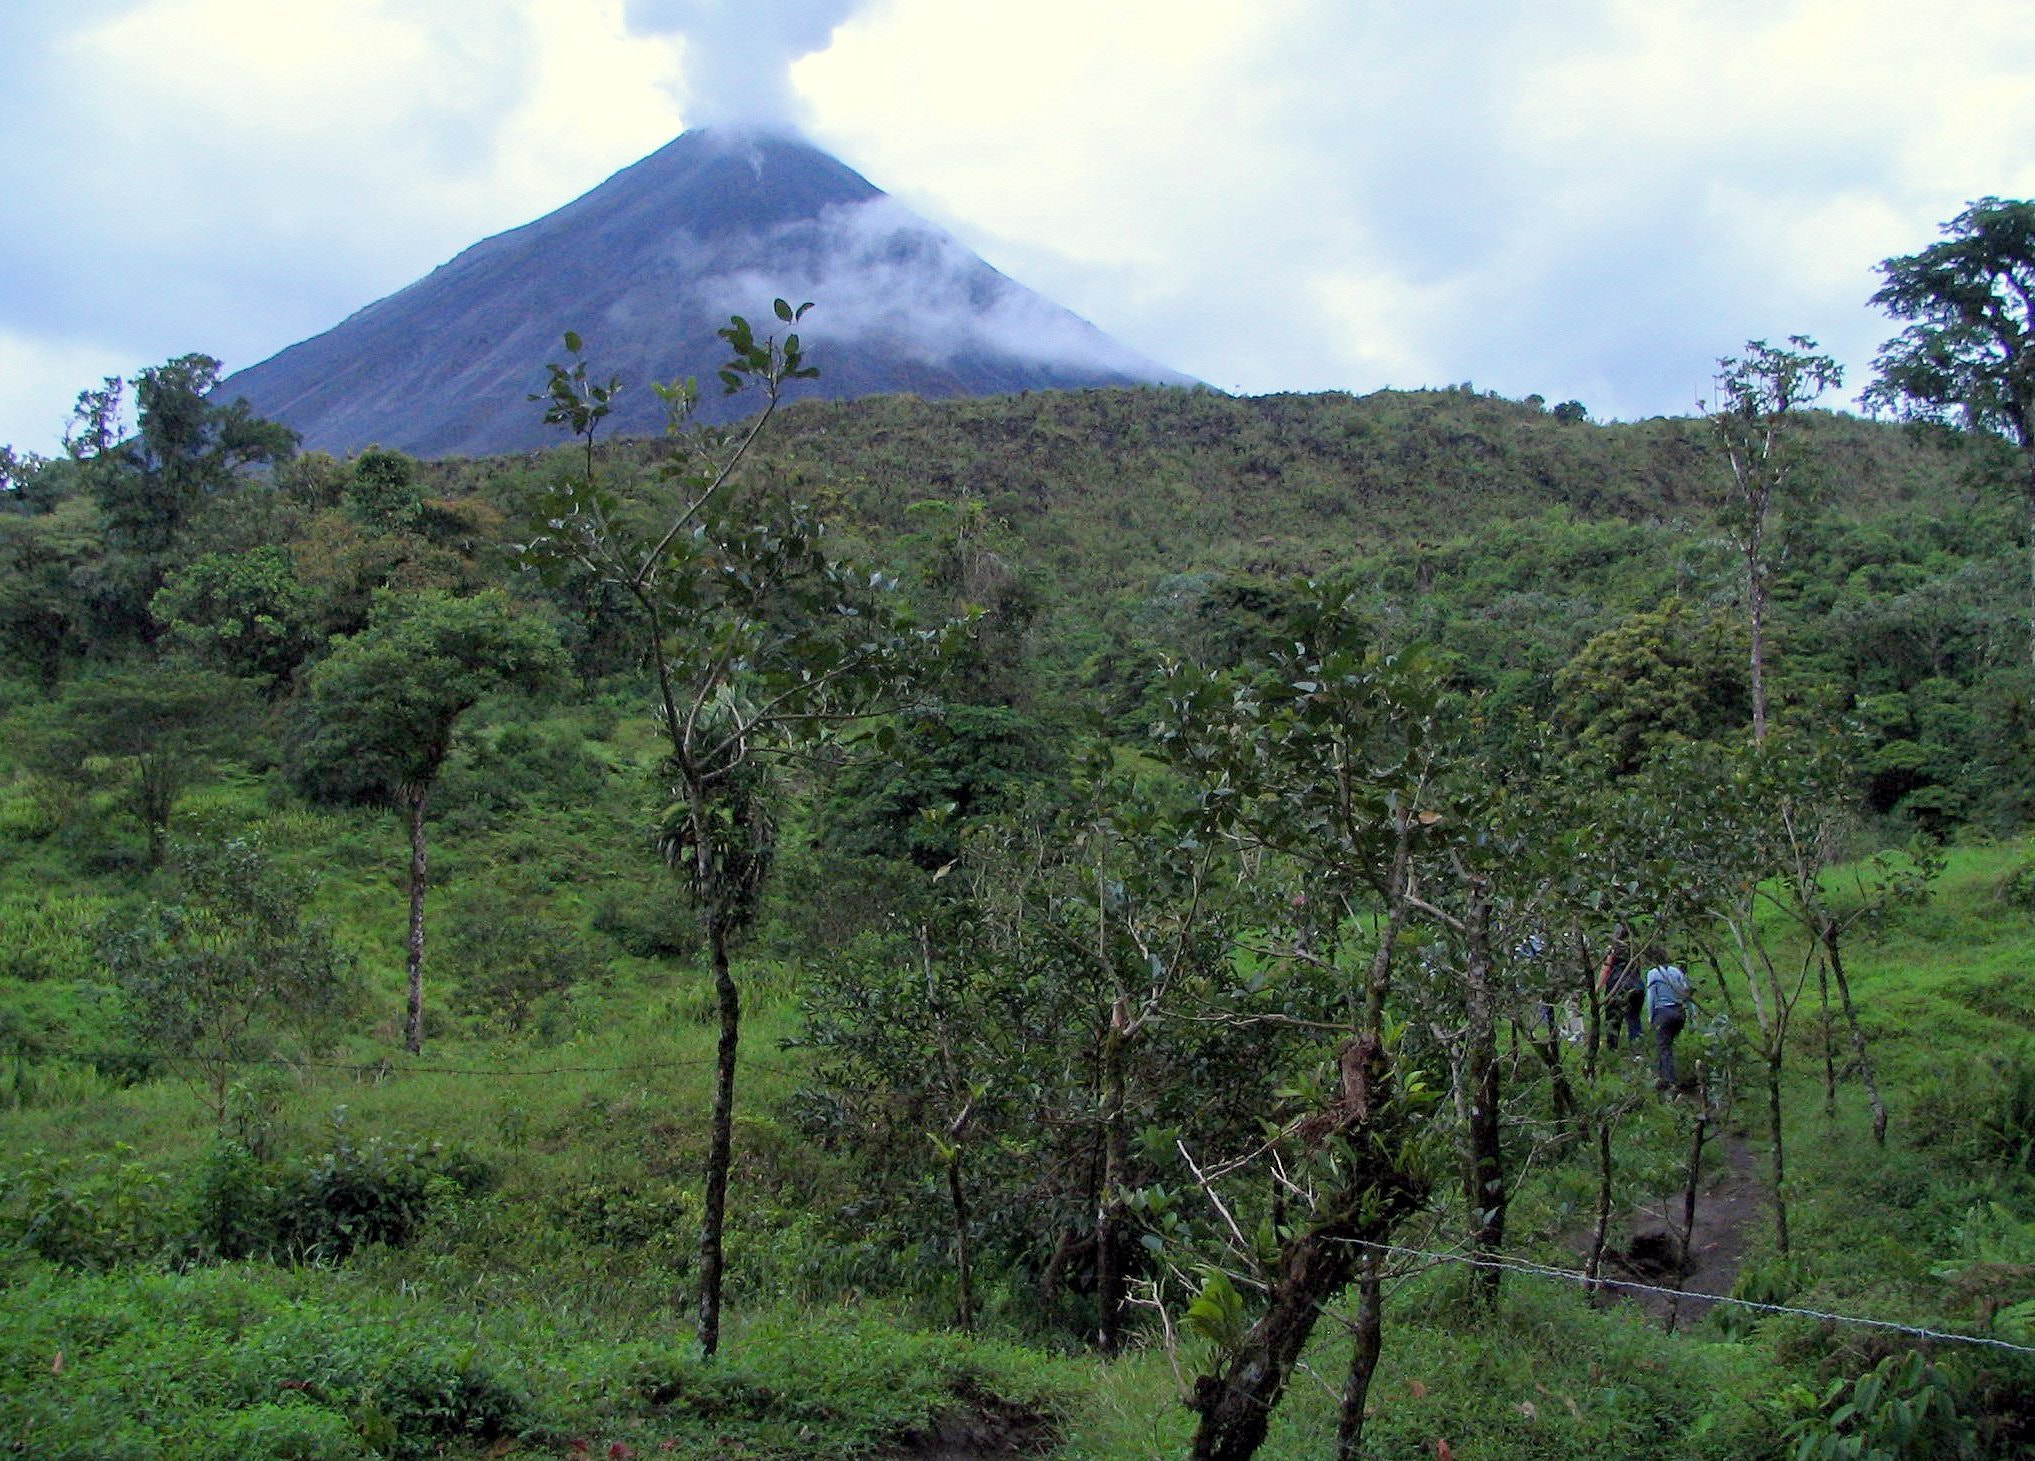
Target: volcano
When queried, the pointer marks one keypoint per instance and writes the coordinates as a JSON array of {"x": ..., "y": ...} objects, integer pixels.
[{"x": 645, "y": 268}]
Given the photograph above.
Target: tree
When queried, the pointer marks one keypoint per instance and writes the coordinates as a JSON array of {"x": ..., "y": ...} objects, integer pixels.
[
  {"x": 383, "y": 492},
  {"x": 42, "y": 620},
  {"x": 1656, "y": 678},
  {"x": 1968, "y": 357},
  {"x": 1756, "y": 394},
  {"x": 160, "y": 726},
  {"x": 184, "y": 448},
  {"x": 376, "y": 716},
  {"x": 246, "y": 613},
  {"x": 1327, "y": 760},
  {"x": 760, "y": 639},
  {"x": 217, "y": 974}
]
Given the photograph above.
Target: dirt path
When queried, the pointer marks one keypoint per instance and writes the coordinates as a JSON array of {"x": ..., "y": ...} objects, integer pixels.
[{"x": 1730, "y": 1201}]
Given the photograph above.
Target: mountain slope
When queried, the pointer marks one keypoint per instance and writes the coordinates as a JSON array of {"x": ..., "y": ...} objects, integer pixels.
[{"x": 646, "y": 267}]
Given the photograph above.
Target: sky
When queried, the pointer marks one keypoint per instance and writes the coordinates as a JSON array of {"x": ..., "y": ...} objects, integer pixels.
[{"x": 1581, "y": 199}]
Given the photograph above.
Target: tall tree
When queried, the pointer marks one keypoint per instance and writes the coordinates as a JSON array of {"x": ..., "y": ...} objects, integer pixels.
[
  {"x": 1968, "y": 355},
  {"x": 159, "y": 727},
  {"x": 185, "y": 446},
  {"x": 1328, "y": 761},
  {"x": 376, "y": 716},
  {"x": 760, "y": 639},
  {"x": 1757, "y": 393}
]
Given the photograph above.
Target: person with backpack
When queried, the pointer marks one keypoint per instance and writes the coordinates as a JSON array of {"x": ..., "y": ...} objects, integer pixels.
[
  {"x": 1667, "y": 1007},
  {"x": 1620, "y": 989}
]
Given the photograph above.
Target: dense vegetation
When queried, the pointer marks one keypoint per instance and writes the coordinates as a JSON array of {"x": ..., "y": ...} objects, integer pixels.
[{"x": 1145, "y": 855}]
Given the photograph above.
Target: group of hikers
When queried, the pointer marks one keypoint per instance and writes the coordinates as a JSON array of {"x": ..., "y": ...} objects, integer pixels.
[{"x": 1636, "y": 978}]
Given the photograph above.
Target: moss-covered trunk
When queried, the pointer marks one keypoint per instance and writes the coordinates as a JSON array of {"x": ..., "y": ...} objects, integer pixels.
[{"x": 720, "y": 1139}]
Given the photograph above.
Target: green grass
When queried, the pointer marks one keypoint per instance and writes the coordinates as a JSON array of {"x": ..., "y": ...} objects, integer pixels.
[{"x": 556, "y": 1305}]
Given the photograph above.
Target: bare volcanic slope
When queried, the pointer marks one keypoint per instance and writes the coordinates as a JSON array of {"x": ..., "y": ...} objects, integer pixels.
[{"x": 646, "y": 267}]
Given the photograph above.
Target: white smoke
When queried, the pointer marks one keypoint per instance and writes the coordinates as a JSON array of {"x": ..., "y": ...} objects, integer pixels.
[
  {"x": 879, "y": 271},
  {"x": 739, "y": 53}
]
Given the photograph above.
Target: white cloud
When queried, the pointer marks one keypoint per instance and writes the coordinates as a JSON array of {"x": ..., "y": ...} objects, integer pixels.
[
  {"x": 232, "y": 175},
  {"x": 1588, "y": 198}
]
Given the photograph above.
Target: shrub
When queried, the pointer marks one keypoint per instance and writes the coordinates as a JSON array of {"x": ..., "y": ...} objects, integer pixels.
[
  {"x": 321, "y": 1209},
  {"x": 628, "y": 1215},
  {"x": 649, "y": 922},
  {"x": 1983, "y": 1114},
  {"x": 92, "y": 1214},
  {"x": 1903, "y": 1407},
  {"x": 287, "y": 1432},
  {"x": 2017, "y": 888}
]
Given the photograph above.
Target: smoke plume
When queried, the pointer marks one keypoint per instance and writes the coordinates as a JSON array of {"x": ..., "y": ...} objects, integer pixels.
[{"x": 739, "y": 54}]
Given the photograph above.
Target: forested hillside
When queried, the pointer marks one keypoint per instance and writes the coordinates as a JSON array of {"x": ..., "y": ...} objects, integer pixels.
[{"x": 1066, "y": 924}]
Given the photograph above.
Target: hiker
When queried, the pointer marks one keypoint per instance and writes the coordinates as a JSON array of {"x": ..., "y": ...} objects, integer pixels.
[
  {"x": 1667, "y": 1006},
  {"x": 1620, "y": 989}
]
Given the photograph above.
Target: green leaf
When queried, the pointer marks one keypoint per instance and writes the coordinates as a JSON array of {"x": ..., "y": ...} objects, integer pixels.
[
  {"x": 1217, "y": 1313},
  {"x": 572, "y": 341}
]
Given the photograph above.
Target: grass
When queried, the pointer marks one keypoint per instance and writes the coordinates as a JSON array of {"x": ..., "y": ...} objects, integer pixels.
[{"x": 555, "y": 1306}]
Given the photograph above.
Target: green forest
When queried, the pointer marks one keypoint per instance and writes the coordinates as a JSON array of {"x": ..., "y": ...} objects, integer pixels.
[{"x": 1098, "y": 924}]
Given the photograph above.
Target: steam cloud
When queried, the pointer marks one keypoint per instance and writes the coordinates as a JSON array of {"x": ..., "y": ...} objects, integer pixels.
[
  {"x": 739, "y": 54},
  {"x": 881, "y": 272}
]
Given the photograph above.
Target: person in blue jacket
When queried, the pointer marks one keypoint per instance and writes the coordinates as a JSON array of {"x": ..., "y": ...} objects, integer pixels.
[{"x": 1667, "y": 1009}]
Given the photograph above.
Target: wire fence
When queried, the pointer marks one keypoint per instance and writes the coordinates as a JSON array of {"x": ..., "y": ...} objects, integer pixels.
[{"x": 1530, "y": 1269}]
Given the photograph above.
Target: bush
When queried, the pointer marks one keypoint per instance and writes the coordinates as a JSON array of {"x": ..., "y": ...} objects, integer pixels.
[
  {"x": 1984, "y": 1114},
  {"x": 92, "y": 1214},
  {"x": 633, "y": 1215},
  {"x": 321, "y": 1209},
  {"x": 649, "y": 923},
  {"x": 2017, "y": 888},
  {"x": 516, "y": 969},
  {"x": 287, "y": 1432}
]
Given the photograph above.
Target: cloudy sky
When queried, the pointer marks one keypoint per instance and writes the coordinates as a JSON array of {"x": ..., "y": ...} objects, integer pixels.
[{"x": 1588, "y": 199}]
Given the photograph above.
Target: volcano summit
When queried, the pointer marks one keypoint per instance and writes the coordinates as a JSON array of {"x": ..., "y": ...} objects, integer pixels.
[{"x": 646, "y": 267}]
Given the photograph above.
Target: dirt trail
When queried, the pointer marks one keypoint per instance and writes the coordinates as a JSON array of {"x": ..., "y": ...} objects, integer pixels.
[{"x": 1643, "y": 1246}]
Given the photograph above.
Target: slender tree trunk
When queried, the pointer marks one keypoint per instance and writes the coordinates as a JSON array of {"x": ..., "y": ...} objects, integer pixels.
[
  {"x": 416, "y": 797},
  {"x": 1779, "y": 1169},
  {"x": 1109, "y": 1280},
  {"x": 1236, "y": 1401},
  {"x": 155, "y": 797},
  {"x": 1593, "y": 1009},
  {"x": 957, "y": 1195},
  {"x": 1832, "y": 939},
  {"x": 957, "y": 1129},
  {"x": 1561, "y": 1095},
  {"x": 1483, "y": 1163},
  {"x": 1056, "y": 1265},
  {"x": 720, "y": 1145},
  {"x": 1829, "y": 1045},
  {"x": 1593, "y": 1266},
  {"x": 1368, "y": 1344},
  {"x": 1691, "y": 1182}
]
